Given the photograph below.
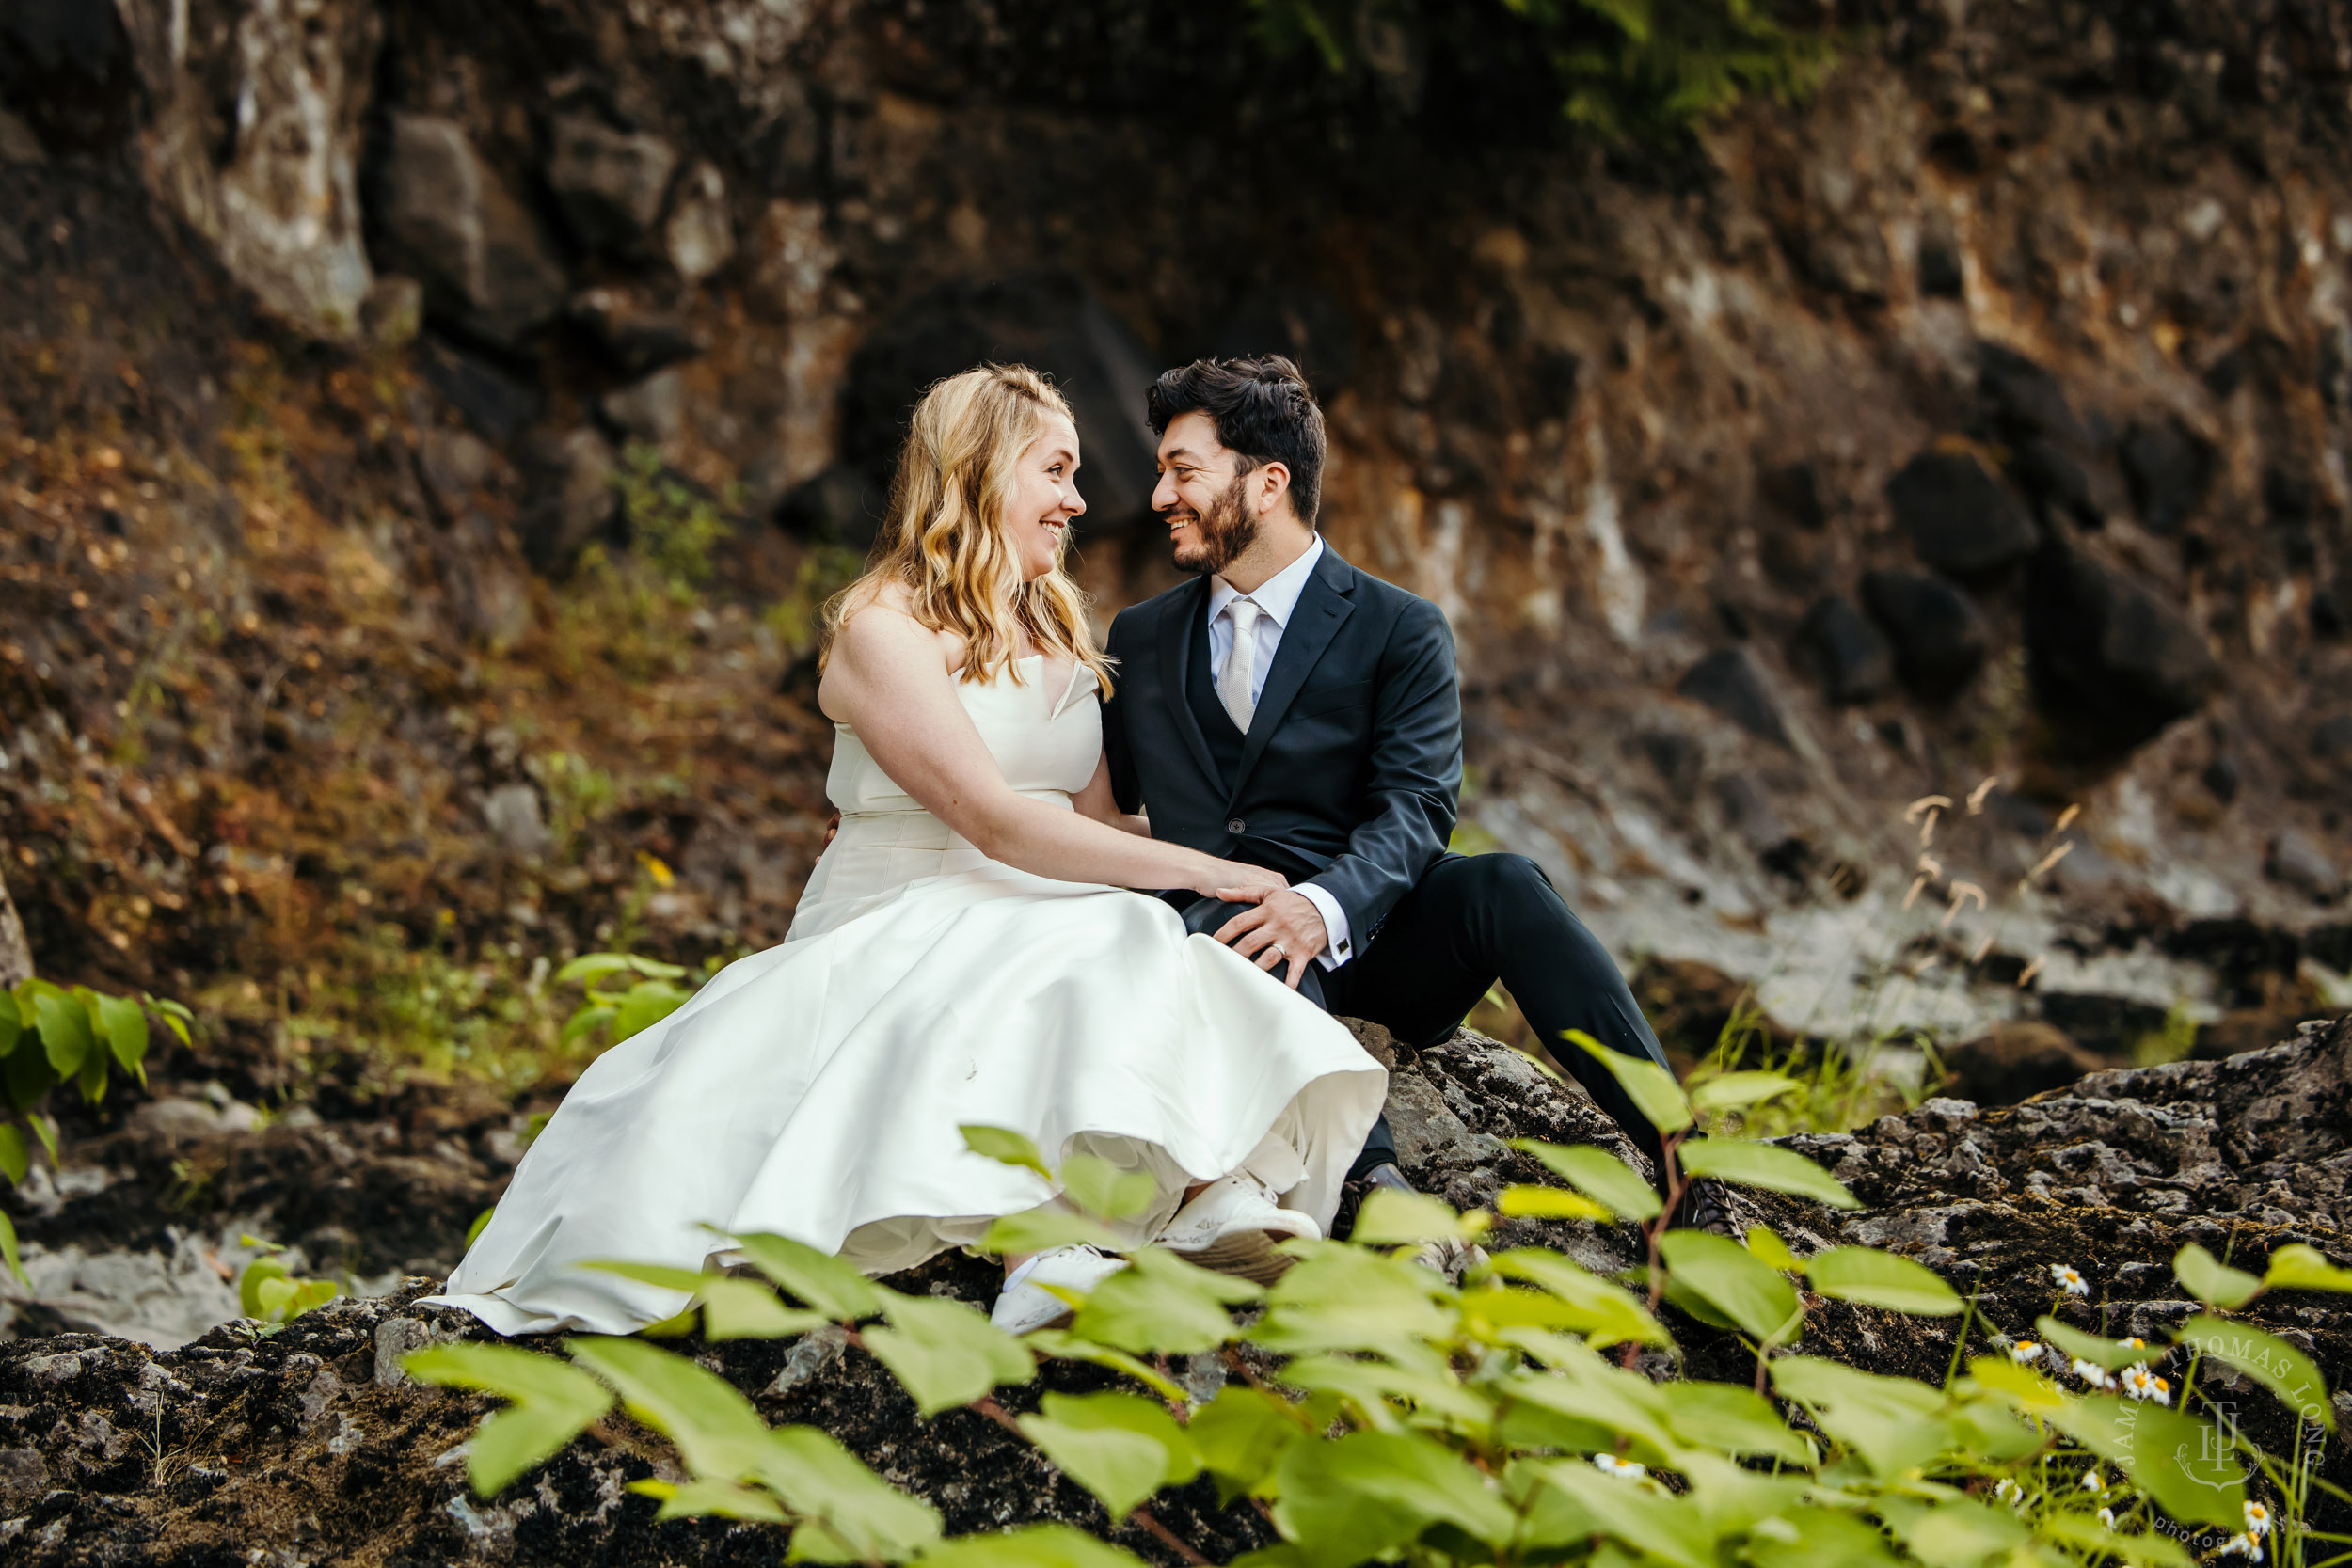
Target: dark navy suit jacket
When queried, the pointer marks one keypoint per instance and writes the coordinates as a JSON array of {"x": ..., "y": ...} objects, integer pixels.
[{"x": 1352, "y": 768}]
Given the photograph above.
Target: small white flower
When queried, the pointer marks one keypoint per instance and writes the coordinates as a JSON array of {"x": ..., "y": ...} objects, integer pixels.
[
  {"x": 2025, "y": 1352},
  {"x": 2094, "y": 1481},
  {"x": 2257, "y": 1520},
  {"x": 2134, "y": 1342},
  {"x": 2094, "y": 1374},
  {"x": 2141, "y": 1383},
  {"x": 2107, "y": 1517},
  {"x": 2008, "y": 1491},
  {"x": 2247, "y": 1545},
  {"x": 2068, "y": 1280},
  {"x": 1609, "y": 1464}
]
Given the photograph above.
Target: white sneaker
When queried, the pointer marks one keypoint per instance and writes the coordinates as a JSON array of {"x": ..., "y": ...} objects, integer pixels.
[
  {"x": 1023, "y": 1307},
  {"x": 1233, "y": 1227}
]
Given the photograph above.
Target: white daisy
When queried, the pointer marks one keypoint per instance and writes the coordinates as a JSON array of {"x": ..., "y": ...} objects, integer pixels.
[
  {"x": 2257, "y": 1520},
  {"x": 1609, "y": 1464},
  {"x": 2069, "y": 1279},
  {"x": 2093, "y": 1481},
  {"x": 2094, "y": 1374},
  {"x": 2025, "y": 1352}
]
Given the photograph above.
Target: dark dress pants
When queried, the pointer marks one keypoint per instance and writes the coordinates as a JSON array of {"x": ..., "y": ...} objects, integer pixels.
[{"x": 1468, "y": 922}]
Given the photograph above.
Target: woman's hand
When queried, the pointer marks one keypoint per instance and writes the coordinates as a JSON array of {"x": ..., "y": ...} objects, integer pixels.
[{"x": 1237, "y": 883}]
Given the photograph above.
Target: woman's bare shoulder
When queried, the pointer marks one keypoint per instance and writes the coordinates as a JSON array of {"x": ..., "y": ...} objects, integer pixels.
[{"x": 878, "y": 622}]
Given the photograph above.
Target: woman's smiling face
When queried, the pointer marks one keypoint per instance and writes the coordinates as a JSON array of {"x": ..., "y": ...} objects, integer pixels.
[{"x": 1044, "y": 500}]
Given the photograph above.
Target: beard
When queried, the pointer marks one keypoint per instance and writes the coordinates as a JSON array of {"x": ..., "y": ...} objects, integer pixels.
[{"x": 1226, "y": 530}]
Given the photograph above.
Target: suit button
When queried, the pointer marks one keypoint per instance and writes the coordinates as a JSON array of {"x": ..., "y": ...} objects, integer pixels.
[{"x": 1236, "y": 826}]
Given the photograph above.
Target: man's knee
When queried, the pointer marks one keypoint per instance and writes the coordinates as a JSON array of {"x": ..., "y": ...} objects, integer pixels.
[
  {"x": 1205, "y": 917},
  {"x": 1509, "y": 879}
]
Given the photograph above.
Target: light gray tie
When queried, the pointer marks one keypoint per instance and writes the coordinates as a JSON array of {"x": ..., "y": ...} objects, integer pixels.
[{"x": 1241, "y": 666}]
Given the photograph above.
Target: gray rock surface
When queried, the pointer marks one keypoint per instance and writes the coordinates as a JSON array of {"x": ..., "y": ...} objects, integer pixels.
[
  {"x": 451, "y": 219},
  {"x": 611, "y": 183}
]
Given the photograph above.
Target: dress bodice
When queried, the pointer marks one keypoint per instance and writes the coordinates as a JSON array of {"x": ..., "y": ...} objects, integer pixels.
[{"x": 1047, "y": 743}]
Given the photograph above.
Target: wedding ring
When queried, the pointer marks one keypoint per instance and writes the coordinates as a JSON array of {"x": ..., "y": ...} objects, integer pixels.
[{"x": 1281, "y": 951}]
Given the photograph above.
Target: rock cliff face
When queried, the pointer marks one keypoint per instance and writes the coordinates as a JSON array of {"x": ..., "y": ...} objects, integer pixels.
[
  {"x": 310, "y": 1447},
  {"x": 1982, "y": 420}
]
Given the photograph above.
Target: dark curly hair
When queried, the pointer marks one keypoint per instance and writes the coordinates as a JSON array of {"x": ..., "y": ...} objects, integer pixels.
[{"x": 1264, "y": 412}]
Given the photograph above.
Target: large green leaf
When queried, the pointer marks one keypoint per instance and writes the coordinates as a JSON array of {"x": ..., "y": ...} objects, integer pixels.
[
  {"x": 1819, "y": 1538},
  {"x": 65, "y": 1039},
  {"x": 16, "y": 1155},
  {"x": 591, "y": 967},
  {"x": 123, "y": 1023},
  {"x": 1102, "y": 1189},
  {"x": 1037, "y": 1547},
  {"x": 2094, "y": 1540},
  {"x": 2112, "y": 1354},
  {"x": 1348, "y": 1298},
  {"x": 550, "y": 1403},
  {"x": 1957, "y": 1533},
  {"x": 8, "y": 1253},
  {"x": 944, "y": 1352},
  {"x": 2299, "y": 1267},
  {"x": 1727, "y": 1418},
  {"x": 1043, "y": 1228},
  {"x": 717, "y": 1432},
  {"x": 29, "y": 1075},
  {"x": 709, "y": 1500},
  {"x": 11, "y": 1023},
  {"x": 1004, "y": 1146},
  {"x": 821, "y": 1280},
  {"x": 1343, "y": 1501},
  {"x": 1433, "y": 1396},
  {"x": 1598, "y": 1174},
  {"x": 2183, "y": 1465},
  {"x": 1391, "y": 1218},
  {"x": 1067, "y": 1346},
  {"x": 1878, "y": 1278},
  {"x": 1651, "y": 1087},
  {"x": 1549, "y": 1203},
  {"x": 1734, "y": 1091},
  {"x": 1662, "y": 1528},
  {"x": 1892, "y": 1424},
  {"x": 1754, "y": 1296},
  {"x": 732, "y": 1309},
  {"x": 257, "y": 1273},
  {"x": 1586, "y": 1389},
  {"x": 1611, "y": 1313},
  {"x": 1241, "y": 1435},
  {"x": 851, "y": 1514},
  {"x": 2269, "y": 1360},
  {"x": 645, "y": 1004},
  {"x": 2019, "y": 1386},
  {"x": 1120, "y": 1465},
  {"x": 1159, "y": 1305},
  {"x": 2211, "y": 1281},
  {"x": 1766, "y": 1165}
]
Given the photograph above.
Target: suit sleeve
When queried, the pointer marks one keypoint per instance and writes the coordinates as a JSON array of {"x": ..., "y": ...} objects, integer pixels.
[
  {"x": 1416, "y": 775},
  {"x": 1126, "y": 788}
]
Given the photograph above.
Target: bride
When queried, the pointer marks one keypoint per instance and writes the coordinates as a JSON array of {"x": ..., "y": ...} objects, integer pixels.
[{"x": 964, "y": 952}]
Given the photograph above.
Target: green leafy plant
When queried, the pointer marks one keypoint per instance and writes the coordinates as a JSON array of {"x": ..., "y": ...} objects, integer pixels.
[
  {"x": 1649, "y": 70},
  {"x": 50, "y": 1036},
  {"x": 673, "y": 526},
  {"x": 648, "y": 993},
  {"x": 1378, "y": 1411},
  {"x": 270, "y": 1294}
]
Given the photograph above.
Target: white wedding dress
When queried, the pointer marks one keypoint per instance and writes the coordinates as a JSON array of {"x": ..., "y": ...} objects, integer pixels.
[{"x": 815, "y": 1089}]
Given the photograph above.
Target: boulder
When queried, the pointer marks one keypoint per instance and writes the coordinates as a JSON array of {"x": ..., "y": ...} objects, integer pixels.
[
  {"x": 1856, "y": 663},
  {"x": 610, "y": 184},
  {"x": 652, "y": 410},
  {"x": 511, "y": 813},
  {"x": 2010, "y": 1062},
  {"x": 2168, "y": 471},
  {"x": 448, "y": 218},
  {"x": 2112, "y": 662},
  {"x": 2298, "y": 863},
  {"x": 569, "y": 480},
  {"x": 1958, "y": 517},
  {"x": 1728, "y": 681},
  {"x": 1939, "y": 638},
  {"x": 1047, "y": 319},
  {"x": 2025, "y": 400},
  {"x": 637, "y": 337},
  {"x": 700, "y": 236},
  {"x": 490, "y": 400}
]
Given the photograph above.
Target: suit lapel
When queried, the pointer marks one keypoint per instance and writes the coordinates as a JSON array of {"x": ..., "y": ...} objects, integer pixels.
[
  {"x": 1176, "y": 632},
  {"x": 1321, "y": 610}
]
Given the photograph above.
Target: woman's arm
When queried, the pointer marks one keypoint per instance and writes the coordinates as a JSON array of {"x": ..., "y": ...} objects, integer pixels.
[
  {"x": 1096, "y": 801},
  {"x": 889, "y": 679}
]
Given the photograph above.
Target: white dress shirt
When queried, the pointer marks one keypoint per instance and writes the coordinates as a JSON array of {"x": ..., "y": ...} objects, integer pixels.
[{"x": 1277, "y": 598}]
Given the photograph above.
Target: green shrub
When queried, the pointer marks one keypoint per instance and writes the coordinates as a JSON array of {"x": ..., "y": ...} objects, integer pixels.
[
  {"x": 1505, "y": 1421},
  {"x": 1628, "y": 70},
  {"x": 270, "y": 1293},
  {"x": 50, "y": 1036}
]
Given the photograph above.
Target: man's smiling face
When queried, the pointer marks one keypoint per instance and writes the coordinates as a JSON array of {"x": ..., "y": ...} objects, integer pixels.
[{"x": 1200, "y": 494}]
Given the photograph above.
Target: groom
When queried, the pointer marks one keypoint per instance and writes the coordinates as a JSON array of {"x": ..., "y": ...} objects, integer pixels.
[{"x": 1287, "y": 710}]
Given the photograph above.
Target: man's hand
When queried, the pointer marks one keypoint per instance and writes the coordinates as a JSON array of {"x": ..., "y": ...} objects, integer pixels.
[{"x": 1284, "y": 928}]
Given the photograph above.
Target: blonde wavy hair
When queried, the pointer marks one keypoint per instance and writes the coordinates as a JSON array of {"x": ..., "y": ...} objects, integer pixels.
[{"x": 945, "y": 541}]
